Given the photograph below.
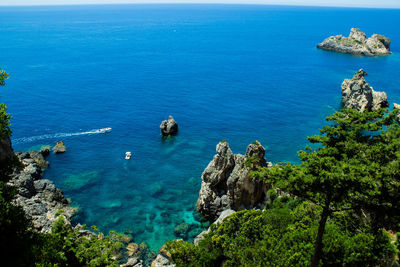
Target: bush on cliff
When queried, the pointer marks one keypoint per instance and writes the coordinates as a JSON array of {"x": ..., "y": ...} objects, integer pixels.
[
  {"x": 281, "y": 236},
  {"x": 65, "y": 246},
  {"x": 350, "y": 180}
]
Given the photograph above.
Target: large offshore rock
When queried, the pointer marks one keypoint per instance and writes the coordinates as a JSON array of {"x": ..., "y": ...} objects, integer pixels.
[
  {"x": 358, "y": 94},
  {"x": 169, "y": 127},
  {"x": 226, "y": 182},
  {"x": 357, "y": 44}
]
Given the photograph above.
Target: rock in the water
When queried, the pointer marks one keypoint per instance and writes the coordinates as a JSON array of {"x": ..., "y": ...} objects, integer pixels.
[
  {"x": 59, "y": 147},
  {"x": 133, "y": 262},
  {"x": 358, "y": 94},
  {"x": 38, "y": 157},
  {"x": 162, "y": 261},
  {"x": 169, "y": 127},
  {"x": 45, "y": 151},
  {"x": 358, "y": 44},
  {"x": 163, "y": 258},
  {"x": 132, "y": 249},
  {"x": 226, "y": 182}
]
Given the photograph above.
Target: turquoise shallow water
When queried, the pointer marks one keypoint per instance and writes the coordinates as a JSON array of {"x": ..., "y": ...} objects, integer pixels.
[{"x": 235, "y": 73}]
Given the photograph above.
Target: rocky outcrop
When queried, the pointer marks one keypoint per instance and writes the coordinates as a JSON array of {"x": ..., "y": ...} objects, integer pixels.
[
  {"x": 162, "y": 261},
  {"x": 226, "y": 182},
  {"x": 59, "y": 147},
  {"x": 38, "y": 197},
  {"x": 358, "y": 44},
  {"x": 163, "y": 258},
  {"x": 133, "y": 262},
  {"x": 358, "y": 94},
  {"x": 169, "y": 127}
]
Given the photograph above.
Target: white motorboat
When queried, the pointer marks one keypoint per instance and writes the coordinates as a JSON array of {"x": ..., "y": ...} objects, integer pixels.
[
  {"x": 105, "y": 130},
  {"x": 128, "y": 155}
]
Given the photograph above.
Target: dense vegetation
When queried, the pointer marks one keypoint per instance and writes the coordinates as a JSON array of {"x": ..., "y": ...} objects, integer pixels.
[
  {"x": 341, "y": 205},
  {"x": 21, "y": 245}
]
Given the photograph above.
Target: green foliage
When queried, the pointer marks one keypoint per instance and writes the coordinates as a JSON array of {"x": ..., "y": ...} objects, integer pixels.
[
  {"x": 354, "y": 165},
  {"x": 3, "y": 76},
  {"x": 65, "y": 246},
  {"x": 280, "y": 236},
  {"x": 4, "y": 121},
  {"x": 349, "y": 177},
  {"x": 15, "y": 236},
  {"x": 4, "y": 116}
]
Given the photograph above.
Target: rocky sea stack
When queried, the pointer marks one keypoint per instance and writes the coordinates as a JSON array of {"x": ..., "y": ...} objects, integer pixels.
[
  {"x": 358, "y": 44},
  {"x": 169, "y": 127},
  {"x": 226, "y": 182},
  {"x": 358, "y": 94}
]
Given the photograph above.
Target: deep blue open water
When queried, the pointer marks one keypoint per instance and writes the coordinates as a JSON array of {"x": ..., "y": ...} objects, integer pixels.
[{"x": 235, "y": 73}]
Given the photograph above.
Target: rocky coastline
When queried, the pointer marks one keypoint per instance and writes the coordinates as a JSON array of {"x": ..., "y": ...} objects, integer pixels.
[
  {"x": 357, "y": 44},
  {"x": 38, "y": 197},
  {"x": 44, "y": 203},
  {"x": 226, "y": 187}
]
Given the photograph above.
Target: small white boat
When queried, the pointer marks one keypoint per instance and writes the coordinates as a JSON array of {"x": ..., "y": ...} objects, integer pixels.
[
  {"x": 128, "y": 155},
  {"x": 105, "y": 130}
]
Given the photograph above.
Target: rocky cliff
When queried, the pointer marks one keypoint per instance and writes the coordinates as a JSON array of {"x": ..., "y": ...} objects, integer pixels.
[
  {"x": 358, "y": 94},
  {"x": 226, "y": 182},
  {"x": 38, "y": 197},
  {"x": 357, "y": 44}
]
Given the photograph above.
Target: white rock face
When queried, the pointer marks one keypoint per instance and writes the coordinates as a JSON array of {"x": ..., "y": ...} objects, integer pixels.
[
  {"x": 358, "y": 94},
  {"x": 226, "y": 182},
  {"x": 357, "y": 44}
]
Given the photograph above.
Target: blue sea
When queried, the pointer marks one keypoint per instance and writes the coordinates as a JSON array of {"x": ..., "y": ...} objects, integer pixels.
[{"x": 225, "y": 72}]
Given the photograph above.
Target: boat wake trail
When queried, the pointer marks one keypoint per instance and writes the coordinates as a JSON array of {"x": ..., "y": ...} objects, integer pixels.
[{"x": 53, "y": 136}]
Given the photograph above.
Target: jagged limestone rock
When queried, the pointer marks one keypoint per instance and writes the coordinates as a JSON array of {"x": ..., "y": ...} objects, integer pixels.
[
  {"x": 357, "y": 44},
  {"x": 39, "y": 198},
  {"x": 226, "y": 182},
  {"x": 169, "y": 127},
  {"x": 358, "y": 94}
]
